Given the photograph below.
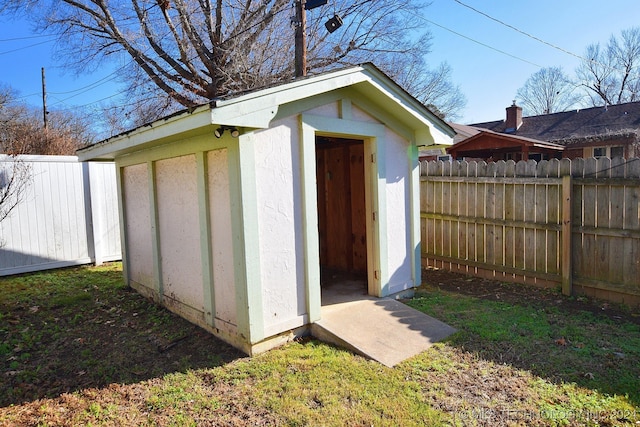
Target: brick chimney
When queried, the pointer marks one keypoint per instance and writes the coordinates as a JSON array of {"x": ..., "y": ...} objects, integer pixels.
[{"x": 514, "y": 118}]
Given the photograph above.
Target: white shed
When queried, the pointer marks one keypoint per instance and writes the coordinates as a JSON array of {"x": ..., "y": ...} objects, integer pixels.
[{"x": 229, "y": 210}]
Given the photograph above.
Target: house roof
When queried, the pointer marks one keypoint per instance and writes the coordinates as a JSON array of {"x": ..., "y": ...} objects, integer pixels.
[
  {"x": 497, "y": 140},
  {"x": 464, "y": 131},
  {"x": 569, "y": 126},
  {"x": 257, "y": 109}
]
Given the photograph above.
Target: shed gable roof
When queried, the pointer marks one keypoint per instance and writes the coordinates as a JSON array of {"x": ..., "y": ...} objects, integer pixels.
[{"x": 256, "y": 110}]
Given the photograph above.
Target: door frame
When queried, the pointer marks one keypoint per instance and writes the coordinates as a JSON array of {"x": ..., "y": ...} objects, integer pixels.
[{"x": 373, "y": 137}]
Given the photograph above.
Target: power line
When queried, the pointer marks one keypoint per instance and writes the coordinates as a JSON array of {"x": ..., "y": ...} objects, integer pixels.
[
  {"x": 26, "y": 38},
  {"x": 531, "y": 36},
  {"x": 481, "y": 44},
  {"x": 97, "y": 83},
  {"x": 520, "y": 31},
  {"x": 25, "y": 47},
  {"x": 87, "y": 88}
]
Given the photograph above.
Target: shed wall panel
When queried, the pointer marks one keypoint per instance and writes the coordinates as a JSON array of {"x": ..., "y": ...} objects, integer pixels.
[
  {"x": 138, "y": 224},
  {"x": 279, "y": 198},
  {"x": 221, "y": 236},
  {"x": 179, "y": 227},
  {"x": 398, "y": 193}
]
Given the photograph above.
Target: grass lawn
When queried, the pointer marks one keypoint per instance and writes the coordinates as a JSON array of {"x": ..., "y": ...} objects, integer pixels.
[{"x": 77, "y": 347}]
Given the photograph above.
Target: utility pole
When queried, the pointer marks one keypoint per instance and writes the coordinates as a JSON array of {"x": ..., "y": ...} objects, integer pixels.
[
  {"x": 44, "y": 100},
  {"x": 300, "y": 23},
  {"x": 301, "y": 38}
]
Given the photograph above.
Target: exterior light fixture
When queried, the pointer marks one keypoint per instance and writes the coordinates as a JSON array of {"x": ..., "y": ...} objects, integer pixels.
[
  {"x": 333, "y": 23},
  {"x": 232, "y": 130}
]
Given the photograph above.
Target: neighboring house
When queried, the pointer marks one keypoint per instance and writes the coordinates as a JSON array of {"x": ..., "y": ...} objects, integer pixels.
[
  {"x": 611, "y": 131},
  {"x": 481, "y": 144},
  {"x": 230, "y": 210}
]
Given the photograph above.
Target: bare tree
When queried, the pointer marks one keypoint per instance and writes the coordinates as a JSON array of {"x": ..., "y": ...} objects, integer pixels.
[
  {"x": 176, "y": 53},
  {"x": 14, "y": 174},
  {"x": 611, "y": 74},
  {"x": 22, "y": 132},
  {"x": 15, "y": 177},
  {"x": 548, "y": 90},
  {"x": 432, "y": 87}
]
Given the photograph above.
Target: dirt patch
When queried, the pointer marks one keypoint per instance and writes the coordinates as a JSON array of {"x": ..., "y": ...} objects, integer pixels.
[
  {"x": 513, "y": 293},
  {"x": 93, "y": 337}
]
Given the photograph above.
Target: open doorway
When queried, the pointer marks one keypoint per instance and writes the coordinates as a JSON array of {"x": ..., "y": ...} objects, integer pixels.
[{"x": 340, "y": 177}]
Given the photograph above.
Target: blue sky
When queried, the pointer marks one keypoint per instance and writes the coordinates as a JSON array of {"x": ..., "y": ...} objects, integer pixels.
[
  {"x": 490, "y": 79},
  {"x": 467, "y": 40}
]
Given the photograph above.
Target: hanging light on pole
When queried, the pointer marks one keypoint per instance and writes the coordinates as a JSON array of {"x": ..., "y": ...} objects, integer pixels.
[{"x": 333, "y": 24}]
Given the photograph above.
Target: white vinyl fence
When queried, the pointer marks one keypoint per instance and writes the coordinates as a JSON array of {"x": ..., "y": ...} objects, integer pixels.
[{"x": 68, "y": 215}]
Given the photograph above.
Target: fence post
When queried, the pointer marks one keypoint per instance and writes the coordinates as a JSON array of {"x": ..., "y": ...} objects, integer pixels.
[
  {"x": 92, "y": 250},
  {"x": 96, "y": 199},
  {"x": 567, "y": 276}
]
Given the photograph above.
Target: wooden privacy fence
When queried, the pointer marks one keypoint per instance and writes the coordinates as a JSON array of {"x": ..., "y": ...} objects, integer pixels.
[
  {"x": 569, "y": 223},
  {"x": 68, "y": 215}
]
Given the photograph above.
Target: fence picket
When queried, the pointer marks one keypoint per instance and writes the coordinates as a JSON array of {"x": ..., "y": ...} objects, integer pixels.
[
  {"x": 632, "y": 169},
  {"x": 616, "y": 222},
  {"x": 602, "y": 243},
  {"x": 539, "y": 248},
  {"x": 618, "y": 167},
  {"x": 575, "y": 167},
  {"x": 499, "y": 230},
  {"x": 553, "y": 237},
  {"x": 542, "y": 169}
]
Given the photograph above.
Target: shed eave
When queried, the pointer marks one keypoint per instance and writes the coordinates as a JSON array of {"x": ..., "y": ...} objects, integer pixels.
[
  {"x": 428, "y": 128},
  {"x": 258, "y": 109},
  {"x": 147, "y": 136},
  {"x": 287, "y": 92},
  {"x": 418, "y": 117}
]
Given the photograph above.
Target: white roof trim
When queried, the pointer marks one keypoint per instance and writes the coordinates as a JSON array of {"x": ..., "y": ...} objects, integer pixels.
[{"x": 257, "y": 110}]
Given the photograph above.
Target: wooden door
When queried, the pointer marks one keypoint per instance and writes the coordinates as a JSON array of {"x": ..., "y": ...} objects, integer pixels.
[{"x": 341, "y": 204}]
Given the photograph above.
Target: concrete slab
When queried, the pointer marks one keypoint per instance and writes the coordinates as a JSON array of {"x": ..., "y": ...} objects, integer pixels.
[{"x": 381, "y": 329}]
